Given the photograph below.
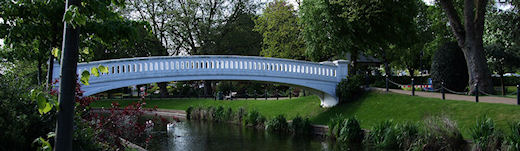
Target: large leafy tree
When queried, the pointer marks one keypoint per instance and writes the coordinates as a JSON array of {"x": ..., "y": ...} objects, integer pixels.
[
  {"x": 502, "y": 60},
  {"x": 501, "y": 40},
  {"x": 236, "y": 38},
  {"x": 32, "y": 29},
  {"x": 321, "y": 26},
  {"x": 281, "y": 31},
  {"x": 468, "y": 29},
  {"x": 416, "y": 56},
  {"x": 376, "y": 27},
  {"x": 199, "y": 27}
]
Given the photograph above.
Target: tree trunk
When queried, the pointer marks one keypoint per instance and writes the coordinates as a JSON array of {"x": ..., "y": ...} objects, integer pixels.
[
  {"x": 162, "y": 89},
  {"x": 469, "y": 38},
  {"x": 68, "y": 80},
  {"x": 387, "y": 69},
  {"x": 50, "y": 71},
  {"x": 39, "y": 76},
  {"x": 478, "y": 70},
  {"x": 502, "y": 82},
  {"x": 412, "y": 73}
]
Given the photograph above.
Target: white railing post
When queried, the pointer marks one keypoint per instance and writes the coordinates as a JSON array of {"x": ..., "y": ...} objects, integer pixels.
[{"x": 341, "y": 69}]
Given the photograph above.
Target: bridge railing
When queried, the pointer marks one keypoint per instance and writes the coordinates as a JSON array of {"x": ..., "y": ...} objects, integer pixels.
[{"x": 331, "y": 71}]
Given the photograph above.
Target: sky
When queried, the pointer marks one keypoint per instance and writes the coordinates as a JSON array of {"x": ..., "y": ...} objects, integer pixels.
[{"x": 429, "y": 2}]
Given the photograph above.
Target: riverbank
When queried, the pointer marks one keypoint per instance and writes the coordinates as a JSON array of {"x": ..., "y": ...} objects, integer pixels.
[{"x": 370, "y": 109}]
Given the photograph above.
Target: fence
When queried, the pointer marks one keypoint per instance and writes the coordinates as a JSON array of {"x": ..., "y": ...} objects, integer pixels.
[{"x": 443, "y": 89}]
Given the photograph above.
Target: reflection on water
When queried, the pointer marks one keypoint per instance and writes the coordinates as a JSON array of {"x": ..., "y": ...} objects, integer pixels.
[{"x": 197, "y": 135}]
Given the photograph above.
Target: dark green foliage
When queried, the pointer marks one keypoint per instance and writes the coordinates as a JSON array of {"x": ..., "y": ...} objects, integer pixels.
[
  {"x": 485, "y": 135},
  {"x": 449, "y": 65},
  {"x": 20, "y": 122},
  {"x": 278, "y": 124},
  {"x": 218, "y": 114},
  {"x": 350, "y": 89},
  {"x": 513, "y": 139},
  {"x": 228, "y": 114},
  {"x": 384, "y": 135},
  {"x": 235, "y": 38},
  {"x": 301, "y": 125},
  {"x": 281, "y": 31},
  {"x": 225, "y": 87},
  {"x": 441, "y": 133},
  {"x": 189, "y": 112},
  {"x": 347, "y": 131},
  {"x": 253, "y": 118},
  {"x": 240, "y": 115},
  {"x": 408, "y": 135}
]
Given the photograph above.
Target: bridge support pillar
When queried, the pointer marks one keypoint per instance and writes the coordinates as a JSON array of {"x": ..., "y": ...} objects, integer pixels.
[{"x": 328, "y": 100}]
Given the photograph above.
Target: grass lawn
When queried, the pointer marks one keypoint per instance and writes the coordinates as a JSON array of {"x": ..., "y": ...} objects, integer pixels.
[
  {"x": 371, "y": 109},
  {"x": 304, "y": 106}
]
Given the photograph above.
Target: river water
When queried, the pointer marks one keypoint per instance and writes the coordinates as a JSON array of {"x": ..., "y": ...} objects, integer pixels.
[{"x": 200, "y": 135}]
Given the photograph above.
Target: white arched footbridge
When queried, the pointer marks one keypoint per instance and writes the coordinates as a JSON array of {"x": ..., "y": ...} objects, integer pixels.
[{"x": 321, "y": 78}]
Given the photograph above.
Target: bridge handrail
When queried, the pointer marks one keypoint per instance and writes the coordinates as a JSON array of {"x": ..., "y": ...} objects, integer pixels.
[
  {"x": 201, "y": 56},
  {"x": 220, "y": 63}
]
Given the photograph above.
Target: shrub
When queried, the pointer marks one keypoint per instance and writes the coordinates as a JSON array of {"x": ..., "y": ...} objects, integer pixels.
[
  {"x": 252, "y": 118},
  {"x": 218, "y": 114},
  {"x": 350, "y": 89},
  {"x": 301, "y": 125},
  {"x": 383, "y": 135},
  {"x": 279, "y": 124},
  {"x": 228, "y": 114},
  {"x": 408, "y": 135},
  {"x": 513, "y": 139},
  {"x": 449, "y": 65},
  {"x": 209, "y": 113},
  {"x": 347, "y": 131},
  {"x": 240, "y": 114},
  {"x": 485, "y": 135},
  {"x": 441, "y": 133},
  {"x": 189, "y": 110}
]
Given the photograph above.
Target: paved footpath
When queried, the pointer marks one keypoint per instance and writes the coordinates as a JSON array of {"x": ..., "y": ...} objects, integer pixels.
[{"x": 449, "y": 96}]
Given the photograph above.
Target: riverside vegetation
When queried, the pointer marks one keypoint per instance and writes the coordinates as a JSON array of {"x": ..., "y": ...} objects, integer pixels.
[{"x": 253, "y": 118}]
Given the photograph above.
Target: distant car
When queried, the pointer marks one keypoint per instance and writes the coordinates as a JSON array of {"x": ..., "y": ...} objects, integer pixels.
[
  {"x": 230, "y": 96},
  {"x": 511, "y": 75}
]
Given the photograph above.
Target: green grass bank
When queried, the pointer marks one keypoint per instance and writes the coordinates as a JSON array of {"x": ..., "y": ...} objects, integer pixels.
[{"x": 370, "y": 109}]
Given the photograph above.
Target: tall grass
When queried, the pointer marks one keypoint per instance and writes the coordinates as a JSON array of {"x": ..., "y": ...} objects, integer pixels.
[
  {"x": 485, "y": 135},
  {"x": 384, "y": 135},
  {"x": 513, "y": 139},
  {"x": 346, "y": 131},
  {"x": 408, "y": 135},
  {"x": 441, "y": 133},
  {"x": 253, "y": 118},
  {"x": 300, "y": 125},
  {"x": 278, "y": 124}
]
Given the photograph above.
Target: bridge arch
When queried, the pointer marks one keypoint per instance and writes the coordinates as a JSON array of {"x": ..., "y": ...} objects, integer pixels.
[{"x": 321, "y": 78}]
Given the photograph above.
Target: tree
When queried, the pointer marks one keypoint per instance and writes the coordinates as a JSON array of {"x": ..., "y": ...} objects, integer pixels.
[
  {"x": 188, "y": 26},
  {"x": 32, "y": 29},
  {"x": 157, "y": 13},
  {"x": 448, "y": 66},
  {"x": 281, "y": 31},
  {"x": 501, "y": 38},
  {"x": 502, "y": 60},
  {"x": 195, "y": 24},
  {"x": 332, "y": 28},
  {"x": 320, "y": 31},
  {"x": 469, "y": 37},
  {"x": 416, "y": 57},
  {"x": 237, "y": 38}
]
